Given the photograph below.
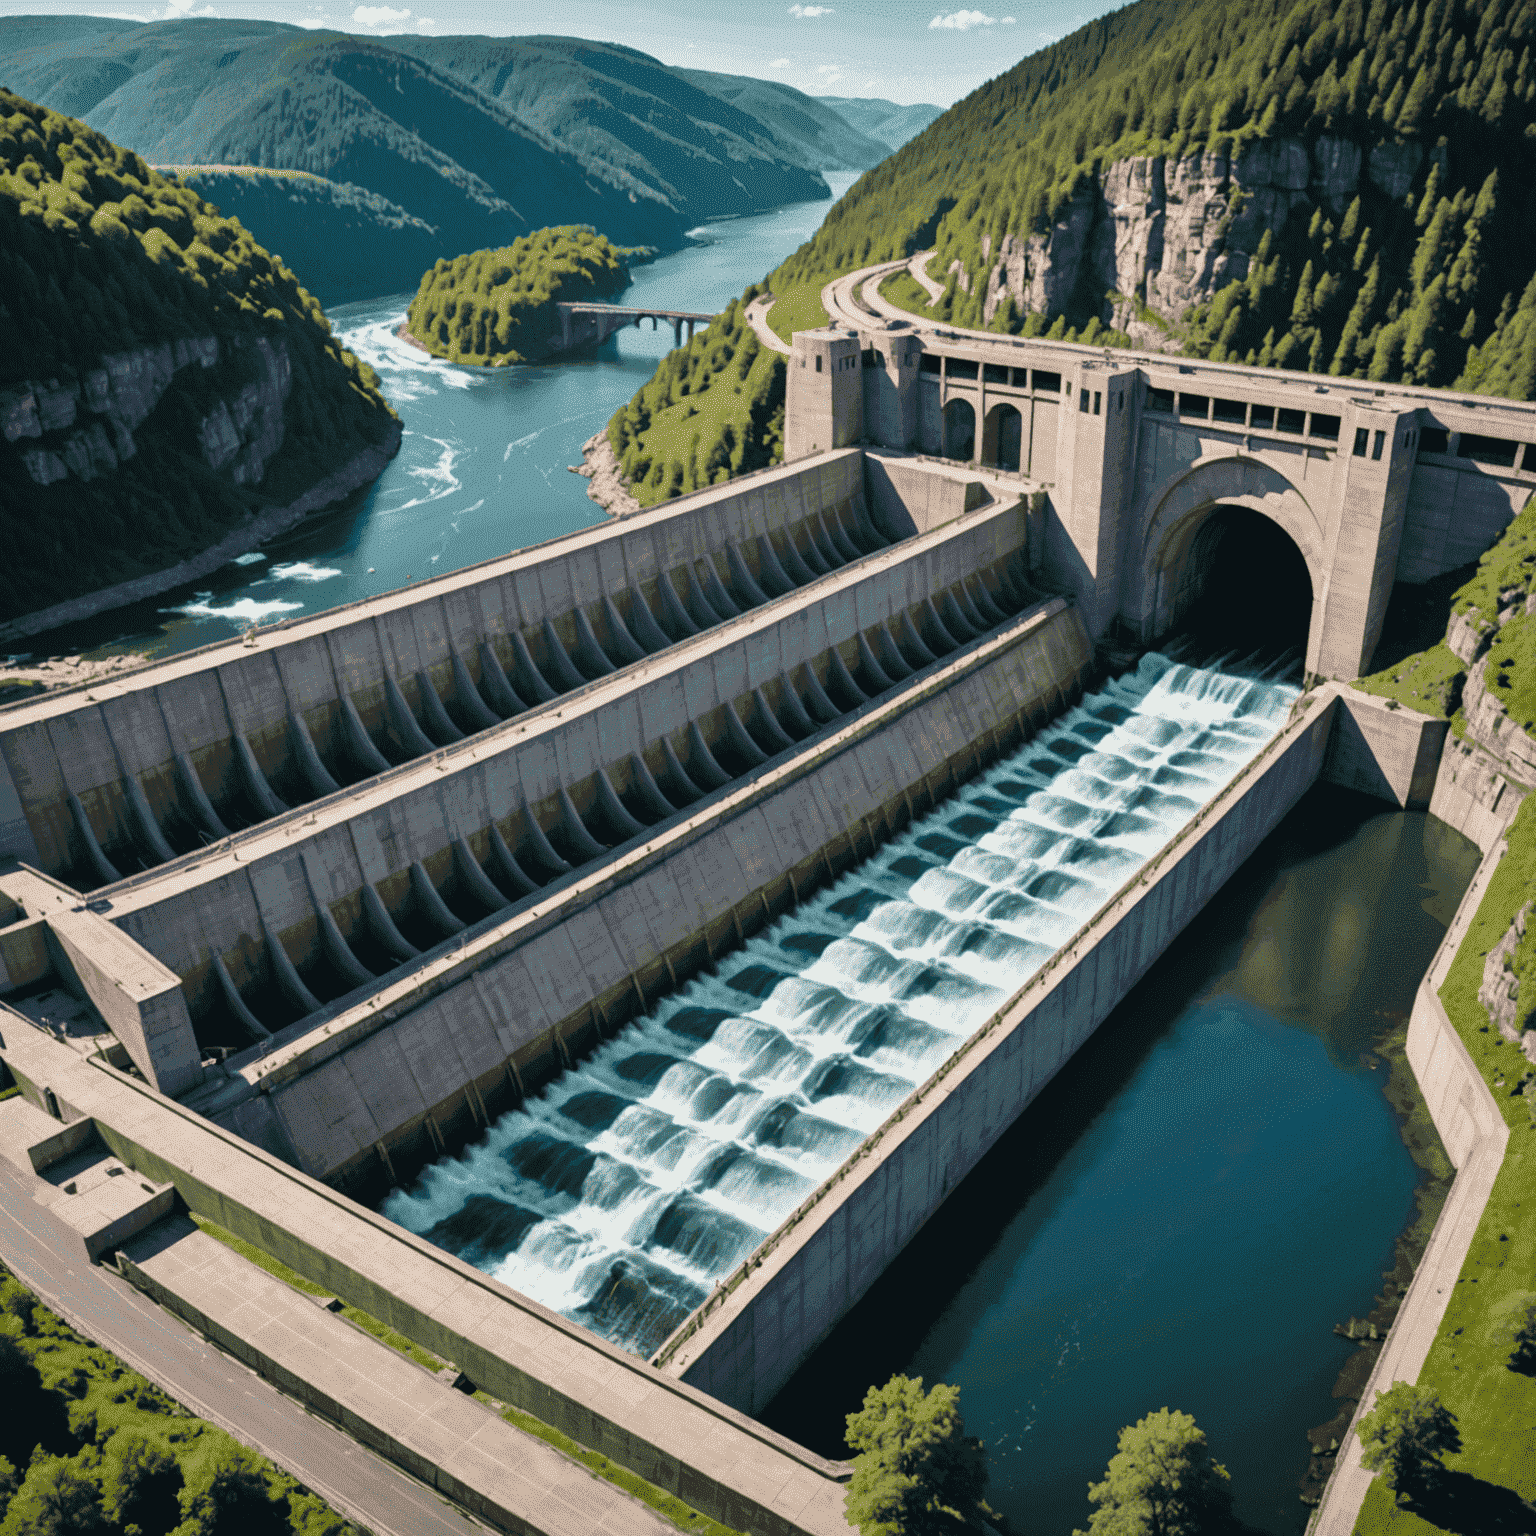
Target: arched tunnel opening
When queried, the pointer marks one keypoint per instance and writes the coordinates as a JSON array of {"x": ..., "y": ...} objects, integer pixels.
[{"x": 1246, "y": 586}]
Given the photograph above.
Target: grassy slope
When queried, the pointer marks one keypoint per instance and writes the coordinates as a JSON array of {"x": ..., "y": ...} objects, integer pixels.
[
  {"x": 1496, "y": 1407},
  {"x": 664, "y": 1503}
]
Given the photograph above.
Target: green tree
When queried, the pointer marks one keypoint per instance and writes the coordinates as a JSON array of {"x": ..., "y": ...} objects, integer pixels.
[
  {"x": 1514, "y": 1324},
  {"x": 232, "y": 1498},
  {"x": 56, "y": 1498},
  {"x": 1404, "y": 1436},
  {"x": 139, "y": 1483},
  {"x": 916, "y": 1472},
  {"x": 1163, "y": 1481}
]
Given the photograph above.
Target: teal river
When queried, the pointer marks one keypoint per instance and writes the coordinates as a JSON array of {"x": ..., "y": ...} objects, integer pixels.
[
  {"x": 1212, "y": 1183},
  {"x": 1206, "y": 1189}
]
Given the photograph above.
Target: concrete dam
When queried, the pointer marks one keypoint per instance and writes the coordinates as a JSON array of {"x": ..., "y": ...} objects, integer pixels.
[{"x": 600, "y": 962}]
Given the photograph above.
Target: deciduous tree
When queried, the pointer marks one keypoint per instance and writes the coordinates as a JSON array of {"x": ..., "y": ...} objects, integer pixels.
[
  {"x": 1404, "y": 1436},
  {"x": 1163, "y": 1481},
  {"x": 916, "y": 1473}
]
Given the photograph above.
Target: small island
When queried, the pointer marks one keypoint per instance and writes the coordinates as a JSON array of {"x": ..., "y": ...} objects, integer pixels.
[{"x": 497, "y": 307}]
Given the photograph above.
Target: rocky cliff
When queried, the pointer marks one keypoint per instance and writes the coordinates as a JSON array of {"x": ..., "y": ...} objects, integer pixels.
[
  {"x": 1161, "y": 234},
  {"x": 84, "y": 429},
  {"x": 164, "y": 381}
]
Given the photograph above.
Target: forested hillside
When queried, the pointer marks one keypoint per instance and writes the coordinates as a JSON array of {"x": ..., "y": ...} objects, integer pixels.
[
  {"x": 810, "y": 132},
  {"x": 498, "y": 307},
  {"x": 1334, "y": 185},
  {"x": 162, "y": 378},
  {"x": 348, "y": 242}
]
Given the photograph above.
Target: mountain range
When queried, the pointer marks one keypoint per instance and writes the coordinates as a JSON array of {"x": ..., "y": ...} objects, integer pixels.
[{"x": 430, "y": 146}]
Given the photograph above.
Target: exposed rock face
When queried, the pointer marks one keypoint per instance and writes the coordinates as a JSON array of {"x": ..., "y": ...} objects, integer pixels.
[
  {"x": 1170, "y": 233},
  {"x": 85, "y": 429}
]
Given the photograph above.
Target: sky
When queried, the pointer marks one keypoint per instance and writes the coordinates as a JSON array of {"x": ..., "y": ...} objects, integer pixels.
[{"x": 903, "y": 50}]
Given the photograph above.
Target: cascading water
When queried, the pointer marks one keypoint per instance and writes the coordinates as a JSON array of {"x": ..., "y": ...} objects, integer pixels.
[{"x": 644, "y": 1175}]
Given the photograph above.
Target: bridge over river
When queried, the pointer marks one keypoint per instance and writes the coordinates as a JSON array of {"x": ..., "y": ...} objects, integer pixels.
[{"x": 587, "y": 324}]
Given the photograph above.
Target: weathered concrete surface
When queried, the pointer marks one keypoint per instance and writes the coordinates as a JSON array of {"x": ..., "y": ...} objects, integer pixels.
[
  {"x": 140, "y": 999},
  {"x": 1474, "y": 793},
  {"x": 114, "y": 745},
  {"x": 1475, "y": 1135},
  {"x": 713, "y": 1458},
  {"x": 1140, "y": 449},
  {"x": 277, "y": 875},
  {"x": 382, "y": 1398},
  {"x": 821, "y": 1262},
  {"x": 1388, "y": 752},
  {"x": 385, "y": 1083}
]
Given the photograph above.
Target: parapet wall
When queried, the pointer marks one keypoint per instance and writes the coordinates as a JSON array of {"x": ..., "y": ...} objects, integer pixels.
[
  {"x": 135, "y": 768},
  {"x": 808, "y": 1276}
]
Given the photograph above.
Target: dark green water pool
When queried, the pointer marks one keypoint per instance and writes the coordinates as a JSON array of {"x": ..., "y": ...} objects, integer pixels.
[{"x": 1208, "y": 1187}]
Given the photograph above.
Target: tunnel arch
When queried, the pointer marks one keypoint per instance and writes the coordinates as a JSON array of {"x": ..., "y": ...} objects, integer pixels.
[
  {"x": 960, "y": 430},
  {"x": 1215, "y": 502},
  {"x": 1002, "y": 437}
]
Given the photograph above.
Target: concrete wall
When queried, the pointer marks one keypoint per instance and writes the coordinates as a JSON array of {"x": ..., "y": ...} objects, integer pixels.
[
  {"x": 428, "y": 1061},
  {"x": 281, "y": 873},
  {"x": 104, "y": 743},
  {"x": 908, "y": 498},
  {"x": 824, "y": 1259},
  {"x": 140, "y": 999},
  {"x": 1391, "y": 753},
  {"x": 1470, "y": 1125}
]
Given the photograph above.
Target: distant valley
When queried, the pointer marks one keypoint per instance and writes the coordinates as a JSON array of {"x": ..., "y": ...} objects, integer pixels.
[{"x": 406, "y": 149}]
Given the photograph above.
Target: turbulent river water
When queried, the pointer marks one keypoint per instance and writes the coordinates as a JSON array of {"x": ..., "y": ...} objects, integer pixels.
[{"x": 636, "y": 1181}]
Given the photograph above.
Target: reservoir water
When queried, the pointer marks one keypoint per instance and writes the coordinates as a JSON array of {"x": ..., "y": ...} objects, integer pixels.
[
  {"x": 635, "y": 1182},
  {"x": 1212, "y": 1183},
  {"x": 483, "y": 467}
]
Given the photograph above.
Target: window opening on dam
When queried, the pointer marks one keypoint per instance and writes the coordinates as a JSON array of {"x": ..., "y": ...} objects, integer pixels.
[
  {"x": 959, "y": 430},
  {"x": 649, "y": 1171},
  {"x": 1246, "y": 585}
]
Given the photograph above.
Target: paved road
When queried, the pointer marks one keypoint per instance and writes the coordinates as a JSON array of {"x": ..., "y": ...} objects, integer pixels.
[
  {"x": 106, "y": 1309},
  {"x": 757, "y": 318}
]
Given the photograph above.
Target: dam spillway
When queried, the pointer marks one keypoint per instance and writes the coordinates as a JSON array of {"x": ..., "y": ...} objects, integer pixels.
[{"x": 627, "y": 1190}]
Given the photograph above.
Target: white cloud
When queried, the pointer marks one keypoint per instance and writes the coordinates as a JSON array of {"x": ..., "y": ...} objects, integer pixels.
[
  {"x": 962, "y": 21},
  {"x": 830, "y": 73},
  {"x": 378, "y": 16},
  {"x": 424, "y": 22},
  {"x": 779, "y": 64},
  {"x": 176, "y": 10},
  {"x": 311, "y": 22},
  {"x": 807, "y": 12},
  {"x": 1010, "y": 21}
]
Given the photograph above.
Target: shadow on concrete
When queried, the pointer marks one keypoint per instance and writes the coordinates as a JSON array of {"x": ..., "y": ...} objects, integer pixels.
[
  {"x": 1468, "y": 1506},
  {"x": 1416, "y": 617}
]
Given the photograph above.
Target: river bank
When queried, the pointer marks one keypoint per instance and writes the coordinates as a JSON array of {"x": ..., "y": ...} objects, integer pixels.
[
  {"x": 361, "y": 470},
  {"x": 604, "y": 476}
]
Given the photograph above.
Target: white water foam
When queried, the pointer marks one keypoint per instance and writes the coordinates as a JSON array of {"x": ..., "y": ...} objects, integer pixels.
[
  {"x": 252, "y": 557},
  {"x": 302, "y": 570},
  {"x": 245, "y": 610},
  {"x": 639, "y": 1179}
]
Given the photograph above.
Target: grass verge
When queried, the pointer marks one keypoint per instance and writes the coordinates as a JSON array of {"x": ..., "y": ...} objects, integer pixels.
[
  {"x": 1429, "y": 681},
  {"x": 796, "y": 308},
  {"x": 670, "y": 1507},
  {"x": 905, "y": 292},
  {"x": 1467, "y": 1365}
]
